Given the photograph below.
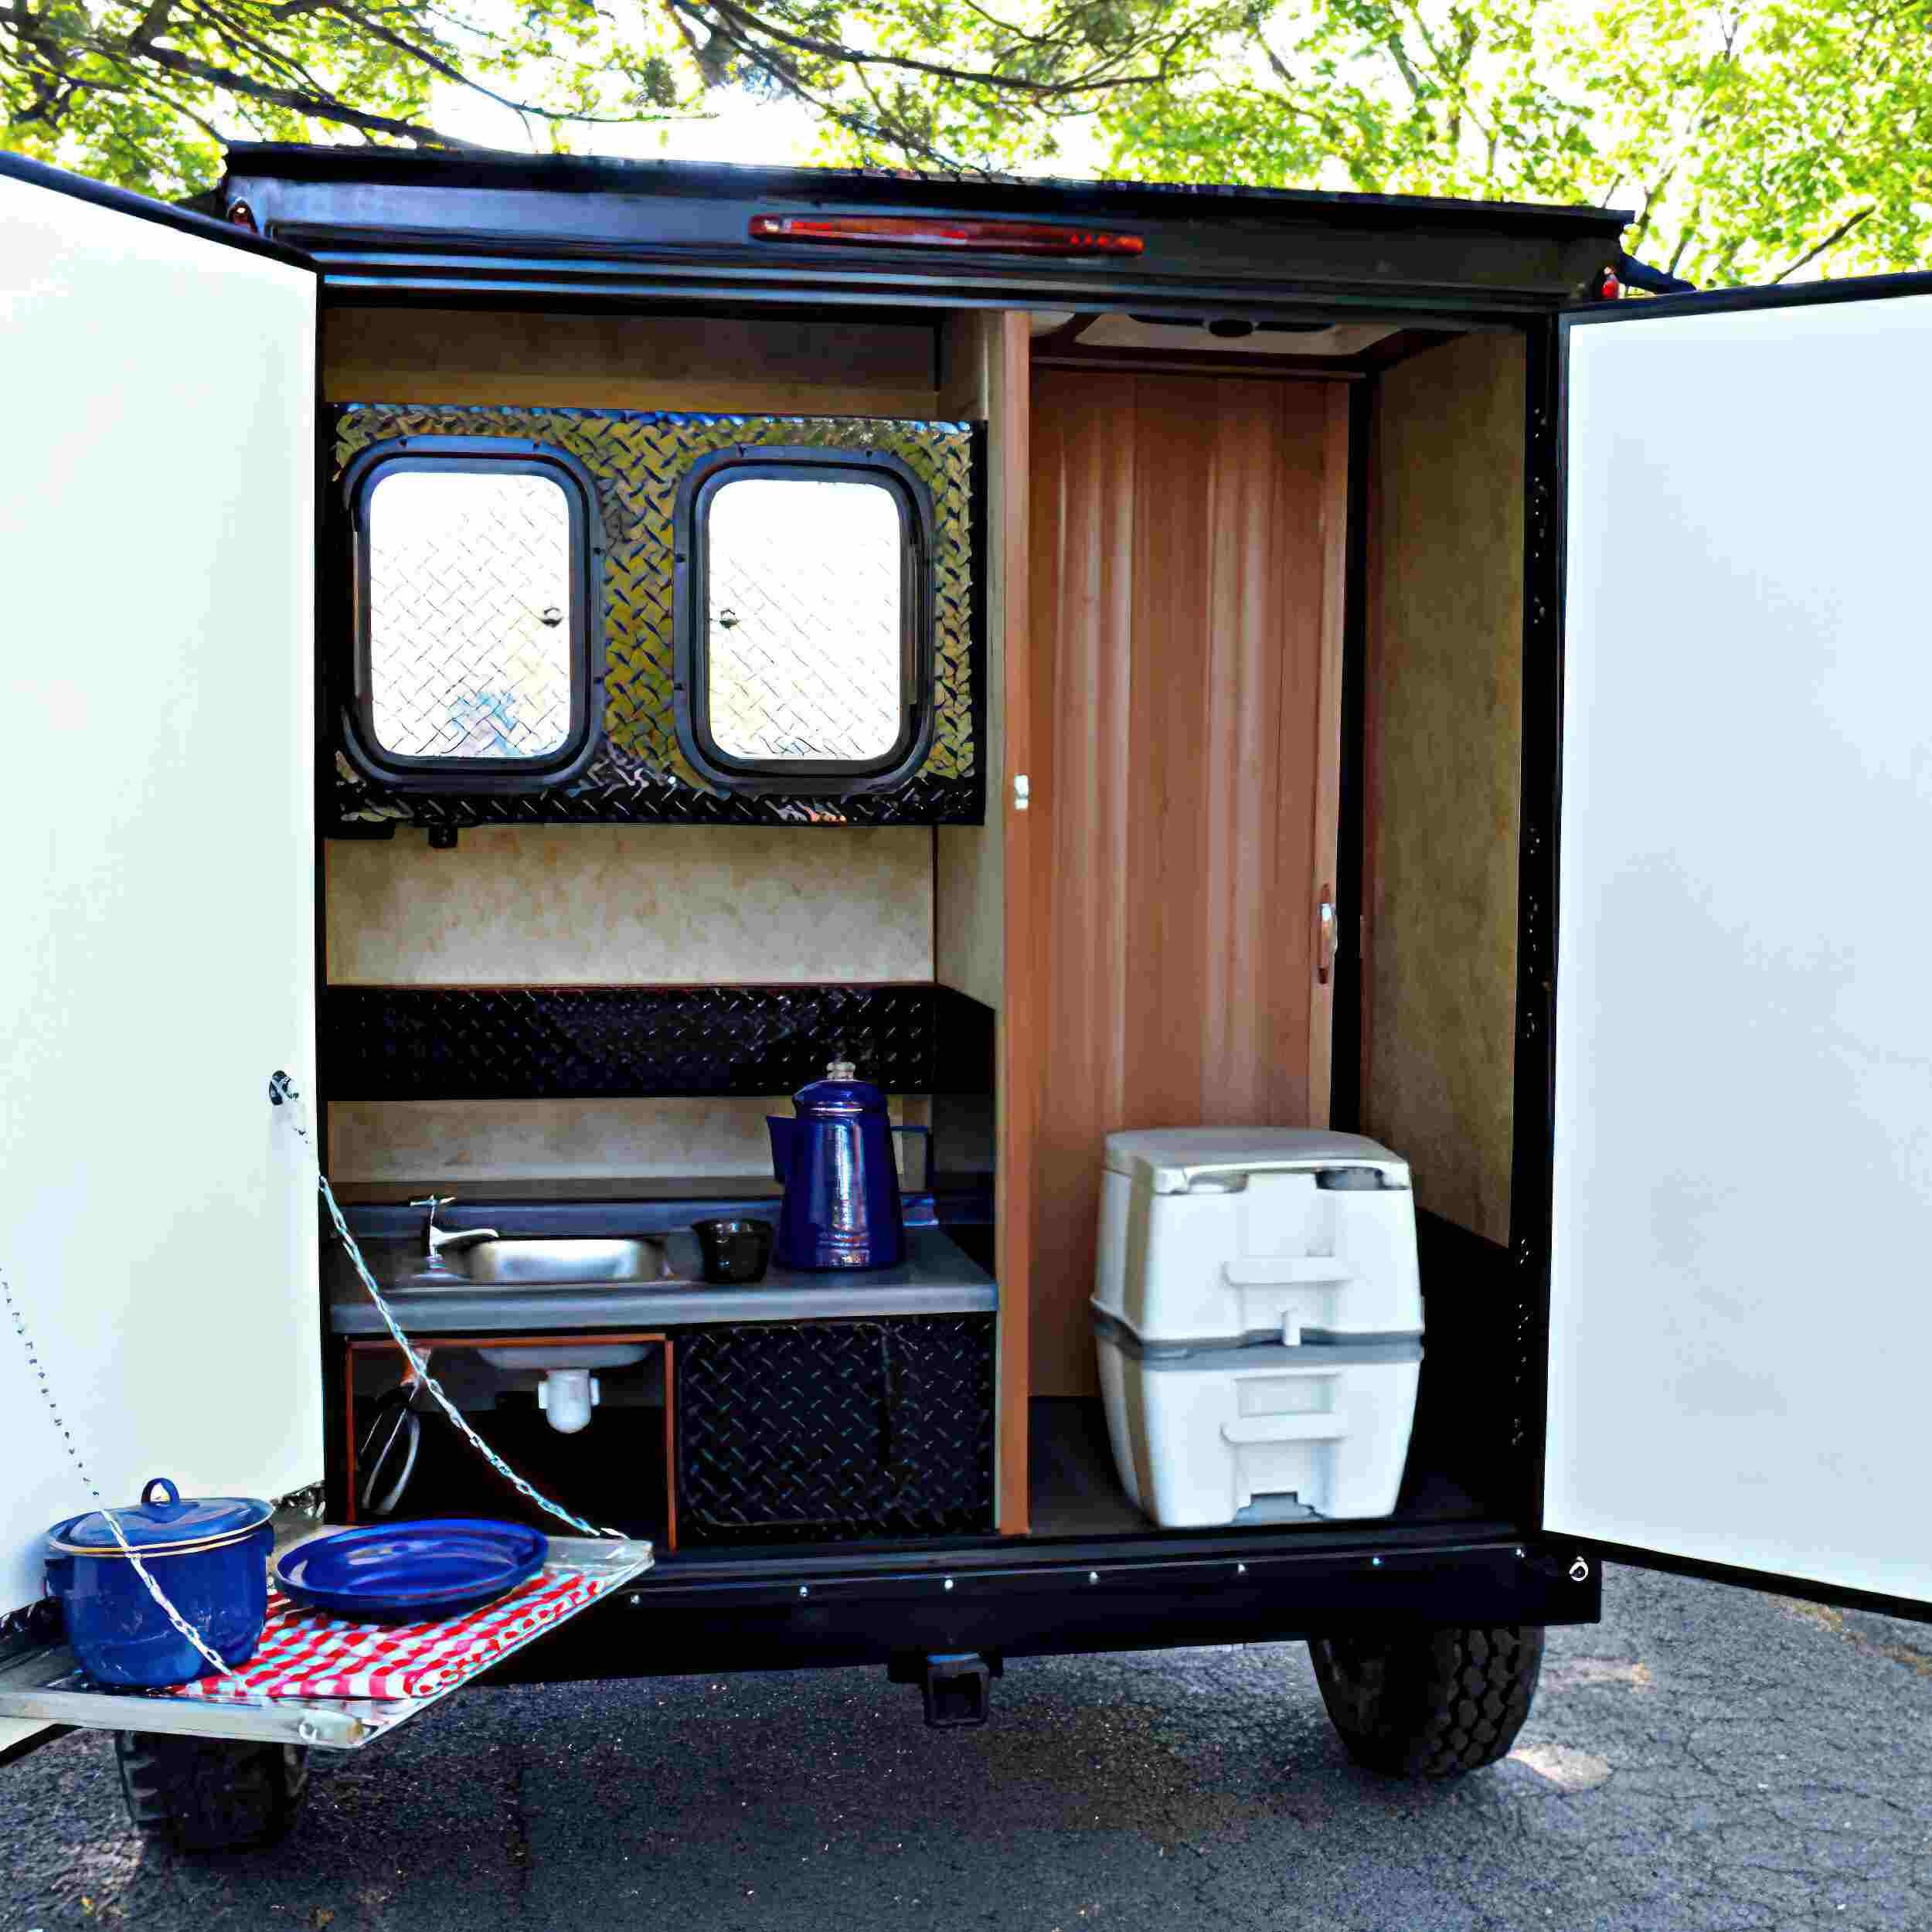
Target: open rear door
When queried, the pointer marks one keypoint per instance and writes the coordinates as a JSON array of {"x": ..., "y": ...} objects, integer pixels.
[
  {"x": 1741, "y": 1288},
  {"x": 157, "y": 864}
]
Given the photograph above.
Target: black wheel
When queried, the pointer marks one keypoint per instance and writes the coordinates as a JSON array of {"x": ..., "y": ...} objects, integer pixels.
[
  {"x": 205, "y": 1794},
  {"x": 1432, "y": 1703}
]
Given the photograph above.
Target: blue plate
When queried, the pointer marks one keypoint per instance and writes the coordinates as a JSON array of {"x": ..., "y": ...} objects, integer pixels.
[{"x": 409, "y": 1573}]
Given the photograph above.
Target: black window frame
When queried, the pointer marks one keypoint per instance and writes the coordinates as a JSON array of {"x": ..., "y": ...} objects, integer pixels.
[
  {"x": 834, "y": 777},
  {"x": 488, "y": 455}
]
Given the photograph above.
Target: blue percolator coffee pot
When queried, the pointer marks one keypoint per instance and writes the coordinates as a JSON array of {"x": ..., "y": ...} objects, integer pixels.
[{"x": 841, "y": 1206}]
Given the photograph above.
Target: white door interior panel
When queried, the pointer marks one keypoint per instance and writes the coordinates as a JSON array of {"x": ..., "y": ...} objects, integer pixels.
[
  {"x": 157, "y": 866},
  {"x": 1741, "y": 1295}
]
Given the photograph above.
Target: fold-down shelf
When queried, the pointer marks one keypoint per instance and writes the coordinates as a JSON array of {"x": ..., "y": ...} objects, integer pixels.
[{"x": 42, "y": 1683}]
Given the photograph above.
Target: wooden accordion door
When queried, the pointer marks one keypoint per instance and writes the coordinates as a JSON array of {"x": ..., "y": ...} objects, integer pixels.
[{"x": 1186, "y": 561}]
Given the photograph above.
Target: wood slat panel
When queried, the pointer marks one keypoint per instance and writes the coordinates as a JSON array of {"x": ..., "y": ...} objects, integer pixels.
[{"x": 1185, "y": 593}]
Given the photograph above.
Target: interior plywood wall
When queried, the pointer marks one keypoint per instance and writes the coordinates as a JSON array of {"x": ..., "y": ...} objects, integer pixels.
[
  {"x": 633, "y": 906},
  {"x": 1444, "y": 723},
  {"x": 602, "y": 906},
  {"x": 780, "y": 367},
  {"x": 618, "y": 905}
]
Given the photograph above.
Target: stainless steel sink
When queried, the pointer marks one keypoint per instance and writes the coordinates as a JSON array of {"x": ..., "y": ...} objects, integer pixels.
[{"x": 536, "y": 1263}]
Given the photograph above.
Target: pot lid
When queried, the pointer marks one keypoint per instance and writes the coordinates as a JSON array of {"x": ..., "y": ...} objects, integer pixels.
[
  {"x": 840, "y": 1092},
  {"x": 161, "y": 1520}
]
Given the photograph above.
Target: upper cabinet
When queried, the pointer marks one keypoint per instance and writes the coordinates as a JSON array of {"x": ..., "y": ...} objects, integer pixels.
[{"x": 551, "y": 615}]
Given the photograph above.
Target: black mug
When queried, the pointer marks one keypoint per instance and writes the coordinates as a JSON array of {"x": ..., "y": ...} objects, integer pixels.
[{"x": 733, "y": 1250}]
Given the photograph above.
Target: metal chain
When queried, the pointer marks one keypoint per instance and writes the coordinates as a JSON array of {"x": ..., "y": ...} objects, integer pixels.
[
  {"x": 219, "y": 1663},
  {"x": 281, "y": 1091}
]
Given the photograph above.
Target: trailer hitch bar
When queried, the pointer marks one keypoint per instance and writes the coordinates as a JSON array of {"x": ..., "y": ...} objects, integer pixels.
[{"x": 956, "y": 1685}]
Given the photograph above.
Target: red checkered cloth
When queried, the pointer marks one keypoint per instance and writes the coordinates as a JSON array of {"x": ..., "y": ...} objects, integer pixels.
[{"x": 307, "y": 1653}]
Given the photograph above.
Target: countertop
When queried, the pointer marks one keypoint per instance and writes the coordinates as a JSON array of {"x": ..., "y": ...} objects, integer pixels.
[{"x": 936, "y": 1278}]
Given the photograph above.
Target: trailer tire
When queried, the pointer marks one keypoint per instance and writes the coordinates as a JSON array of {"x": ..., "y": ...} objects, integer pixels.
[
  {"x": 205, "y": 1794},
  {"x": 1432, "y": 1704}
]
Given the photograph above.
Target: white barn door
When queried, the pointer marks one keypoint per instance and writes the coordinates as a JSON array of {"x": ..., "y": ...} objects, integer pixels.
[
  {"x": 157, "y": 860},
  {"x": 1741, "y": 1289}
]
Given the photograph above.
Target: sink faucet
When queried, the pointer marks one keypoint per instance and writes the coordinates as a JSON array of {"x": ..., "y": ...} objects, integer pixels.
[{"x": 435, "y": 1241}]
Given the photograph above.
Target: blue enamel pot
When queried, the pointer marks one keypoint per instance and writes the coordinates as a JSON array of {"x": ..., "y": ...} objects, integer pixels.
[{"x": 210, "y": 1557}]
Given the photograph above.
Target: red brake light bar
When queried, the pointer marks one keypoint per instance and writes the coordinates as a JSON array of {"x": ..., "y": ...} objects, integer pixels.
[{"x": 939, "y": 231}]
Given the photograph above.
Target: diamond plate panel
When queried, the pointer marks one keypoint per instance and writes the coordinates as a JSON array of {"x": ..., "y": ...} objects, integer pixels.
[
  {"x": 469, "y": 597},
  {"x": 460, "y": 1043},
  {"x": 810, "y": 1431},
  {"x": 639, "y": 774}
]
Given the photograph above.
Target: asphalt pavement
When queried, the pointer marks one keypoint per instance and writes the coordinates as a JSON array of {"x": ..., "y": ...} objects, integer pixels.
[{"x": 1704, "y": 1758}]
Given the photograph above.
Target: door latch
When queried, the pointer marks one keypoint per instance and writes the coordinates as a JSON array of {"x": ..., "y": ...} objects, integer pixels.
[
  {"x": 1328, "y": 937},
  {"x": 1022, "y": 791}
]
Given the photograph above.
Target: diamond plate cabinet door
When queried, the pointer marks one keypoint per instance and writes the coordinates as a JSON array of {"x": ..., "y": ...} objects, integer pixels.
[
  {"x": 469, "y": 586},
  {"x": 827, "y": 1431}
]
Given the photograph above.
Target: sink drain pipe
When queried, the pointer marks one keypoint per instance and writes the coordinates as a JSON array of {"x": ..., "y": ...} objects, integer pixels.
[{"x": 567, "y": 1396}]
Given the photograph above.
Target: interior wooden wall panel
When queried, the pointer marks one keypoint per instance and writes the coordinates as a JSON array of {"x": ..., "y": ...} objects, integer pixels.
[
  {"x": 1445, "y": 641},
  {"x": 629, "y": 361},
  {"x": 983, "y": 894},
  {"x": 1185, "y": 602},
  {"x": 969, "y": 889},
  {"x": 1009, "y": 399}
]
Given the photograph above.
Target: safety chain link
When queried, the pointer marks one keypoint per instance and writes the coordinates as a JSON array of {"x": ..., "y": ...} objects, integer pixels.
[
  {"x": 281, "y": 1091},
  {"x": 217, "y": 1660}
]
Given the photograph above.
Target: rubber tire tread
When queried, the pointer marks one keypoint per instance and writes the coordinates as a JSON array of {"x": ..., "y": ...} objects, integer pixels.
[
  {"x": 209, "y": 1795},
  {"x": 1434, "y": 1703}
]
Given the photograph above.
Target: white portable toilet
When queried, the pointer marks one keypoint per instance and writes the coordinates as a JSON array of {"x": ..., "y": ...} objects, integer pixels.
[{"x": 1257, "y": 1309}]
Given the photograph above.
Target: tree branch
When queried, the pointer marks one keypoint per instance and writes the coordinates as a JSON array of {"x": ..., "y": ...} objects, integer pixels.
[
  {"x": 438, "y": 65},
  {"x": 317, "y": 106},
  {"x": 1832, "y": 241},
  {"x": 754, "y": 24}
]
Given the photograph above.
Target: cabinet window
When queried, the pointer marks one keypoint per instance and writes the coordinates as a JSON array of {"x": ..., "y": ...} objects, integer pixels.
[
  {"x": 475, "y": 633},
  {"x": 804, "y": 619}
]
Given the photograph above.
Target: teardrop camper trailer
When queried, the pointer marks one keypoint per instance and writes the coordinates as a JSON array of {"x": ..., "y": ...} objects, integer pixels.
[{"x": 1325, "y": 772}]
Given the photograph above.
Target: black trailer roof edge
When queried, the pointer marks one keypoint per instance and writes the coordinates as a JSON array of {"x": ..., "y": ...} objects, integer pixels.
[
  {"x": 123, "y": 201},
  {"x": 615, "y": 174},
  {"x": 356, "y": 281}
]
